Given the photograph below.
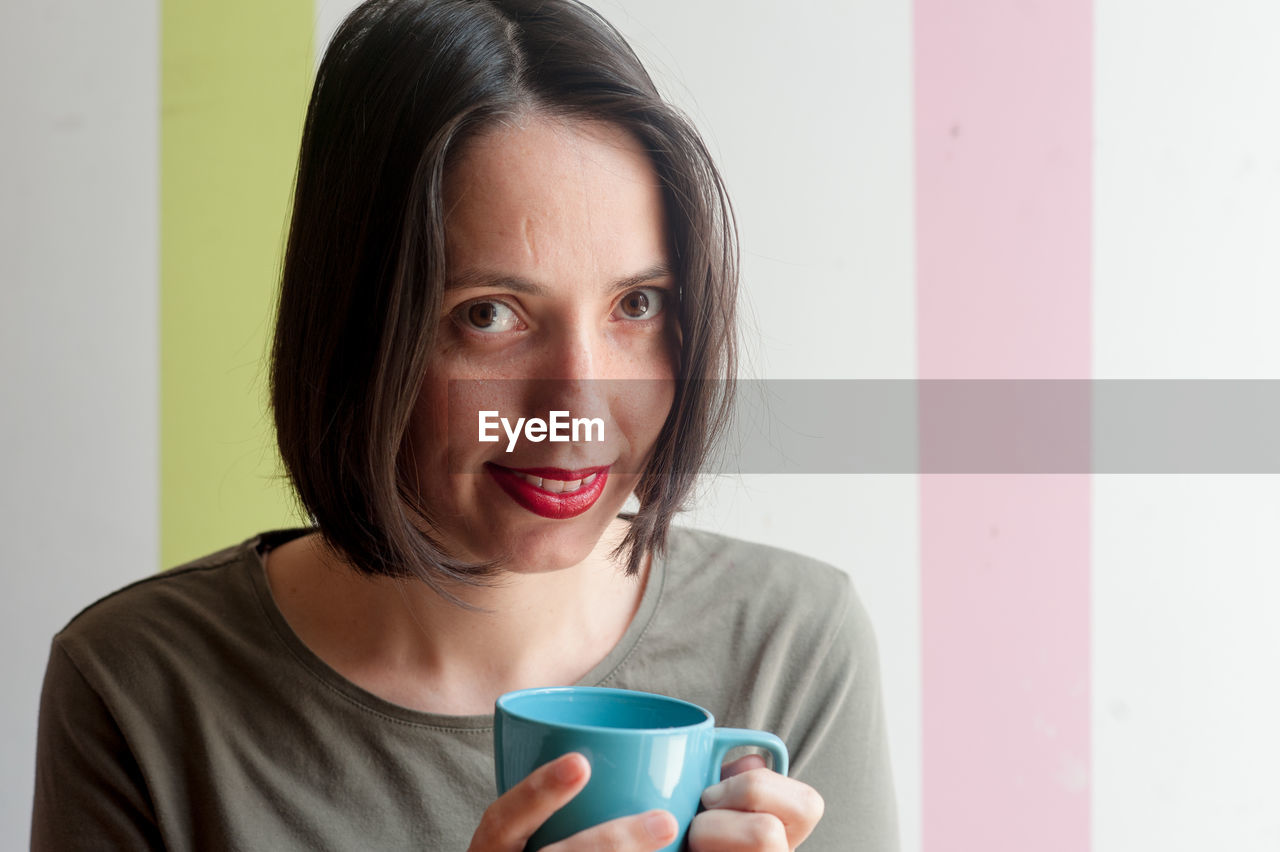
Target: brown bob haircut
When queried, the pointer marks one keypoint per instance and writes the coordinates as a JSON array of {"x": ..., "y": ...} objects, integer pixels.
[{"x": 402, "y": 87}]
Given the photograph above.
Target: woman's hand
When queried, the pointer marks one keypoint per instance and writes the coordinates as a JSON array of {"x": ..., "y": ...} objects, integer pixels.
[
  {"x": 753, "y": 808},
  {"x": 517, "y": 814}
]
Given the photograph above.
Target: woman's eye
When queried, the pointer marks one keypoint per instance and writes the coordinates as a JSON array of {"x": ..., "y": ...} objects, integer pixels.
[
  {"x": 487, "y": 316},
  {"x": 641, "y": 304}
]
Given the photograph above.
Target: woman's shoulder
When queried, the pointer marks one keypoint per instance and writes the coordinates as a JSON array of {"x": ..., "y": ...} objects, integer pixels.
[
  {"x": 772, "y": 593},
  {"x": 750, "y": 568},
  {"x": 745, "y": 629},
  {"x": 183, "y": 607},
  {"x": 138, "y": 602}
]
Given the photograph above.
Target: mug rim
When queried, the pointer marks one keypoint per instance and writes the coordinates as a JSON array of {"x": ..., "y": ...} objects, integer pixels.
[{"x": 504, "y": 701}]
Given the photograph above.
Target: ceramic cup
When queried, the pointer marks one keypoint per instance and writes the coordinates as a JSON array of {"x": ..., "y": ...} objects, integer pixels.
[{"x": 646, "y": 751}]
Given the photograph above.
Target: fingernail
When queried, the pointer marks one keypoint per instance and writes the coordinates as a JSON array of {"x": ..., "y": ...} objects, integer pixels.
[
  {"x": 712, "y": 795},
  {"x": 658, "y": 824}
]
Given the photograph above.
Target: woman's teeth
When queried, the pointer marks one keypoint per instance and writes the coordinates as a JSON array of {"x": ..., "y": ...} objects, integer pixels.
[{"x": 556, "y": 486}]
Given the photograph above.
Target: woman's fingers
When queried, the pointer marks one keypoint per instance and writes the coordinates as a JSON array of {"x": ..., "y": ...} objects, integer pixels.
[
  {"x": 516, "y": 814},
  {"x": 736, "y": 831},
  {"x": 509, "y": 822},
  {"x": 794, "y": 806},
  {"x": 645, "y": 832},
  {"x": 741, "y": 765}
]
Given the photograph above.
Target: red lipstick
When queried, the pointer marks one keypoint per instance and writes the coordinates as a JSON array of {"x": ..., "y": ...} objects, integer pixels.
[{"x": 549, "y": 503}]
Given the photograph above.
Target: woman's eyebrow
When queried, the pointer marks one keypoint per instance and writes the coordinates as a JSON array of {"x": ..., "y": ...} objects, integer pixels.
[
  {"x": 472, "y": 279},
  {"x": 659, "y": 270},
  {"x": 514, "y": 283}
]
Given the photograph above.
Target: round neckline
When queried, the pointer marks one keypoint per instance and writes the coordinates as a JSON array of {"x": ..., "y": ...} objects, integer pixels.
[{"x": 600, "y": 674}]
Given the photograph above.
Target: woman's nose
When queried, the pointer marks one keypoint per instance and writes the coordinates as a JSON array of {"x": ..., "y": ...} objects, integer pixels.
[
  {"x": 575, "y": 371},
  {"x": 575, "y": 355}
]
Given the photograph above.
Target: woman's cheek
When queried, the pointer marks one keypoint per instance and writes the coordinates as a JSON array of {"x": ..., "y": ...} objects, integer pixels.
[{"x": 647, "y": 354}]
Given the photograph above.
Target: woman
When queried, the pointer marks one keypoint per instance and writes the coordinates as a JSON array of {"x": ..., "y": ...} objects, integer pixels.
[{"x": 495, "y": 212}]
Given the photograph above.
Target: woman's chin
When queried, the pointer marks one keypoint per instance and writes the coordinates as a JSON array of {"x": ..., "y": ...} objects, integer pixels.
[
  {"x": 522, "y": 542},
  {"x": 551, "y": 550}
]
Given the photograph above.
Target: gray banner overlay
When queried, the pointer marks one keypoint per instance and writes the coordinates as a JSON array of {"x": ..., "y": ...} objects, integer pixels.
[{"x": 974, "y": 426}]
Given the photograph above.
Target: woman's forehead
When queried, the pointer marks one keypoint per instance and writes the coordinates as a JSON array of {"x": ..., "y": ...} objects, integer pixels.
[{"x": 543, "y": 191}]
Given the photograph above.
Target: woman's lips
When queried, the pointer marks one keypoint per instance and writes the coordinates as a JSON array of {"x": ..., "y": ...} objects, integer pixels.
[{"x": 552, "y": 492}]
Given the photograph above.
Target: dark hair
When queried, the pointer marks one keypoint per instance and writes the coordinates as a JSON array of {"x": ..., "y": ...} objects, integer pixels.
[{"x": 402, "y": 86}]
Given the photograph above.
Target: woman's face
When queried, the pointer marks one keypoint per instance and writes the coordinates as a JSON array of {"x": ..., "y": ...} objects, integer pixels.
[{"x": 560, "y": 298}]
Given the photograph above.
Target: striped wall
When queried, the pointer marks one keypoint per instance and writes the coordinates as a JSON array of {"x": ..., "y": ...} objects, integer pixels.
[
  {"x": 1003, "y": 142},
  {"x": 932, "y": 189},
  {"x": 233, "y": 97},
  {"x": 79, "y": 273},
  {"x": 1186, "y": 208}
]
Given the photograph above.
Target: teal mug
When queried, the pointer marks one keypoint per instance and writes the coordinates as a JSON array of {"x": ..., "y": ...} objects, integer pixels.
[{"x": 646, "y": 751}]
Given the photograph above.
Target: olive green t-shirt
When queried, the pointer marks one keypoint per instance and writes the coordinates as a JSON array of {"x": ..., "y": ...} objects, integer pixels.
[{"x": 182, "y": 712}]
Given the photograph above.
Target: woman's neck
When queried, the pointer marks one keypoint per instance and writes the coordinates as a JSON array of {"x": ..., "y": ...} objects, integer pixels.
[{"x": 405, "y": 643}]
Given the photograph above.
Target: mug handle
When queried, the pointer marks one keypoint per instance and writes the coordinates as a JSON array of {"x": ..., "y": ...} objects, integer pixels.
[{"x": 727, "y": 738}]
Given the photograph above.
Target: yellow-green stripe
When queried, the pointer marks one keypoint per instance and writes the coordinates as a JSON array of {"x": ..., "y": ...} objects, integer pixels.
[{"x": 234, "y": 82}]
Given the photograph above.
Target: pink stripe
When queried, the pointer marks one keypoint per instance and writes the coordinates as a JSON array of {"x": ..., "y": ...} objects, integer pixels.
[{"x": 1003, "y": 170}]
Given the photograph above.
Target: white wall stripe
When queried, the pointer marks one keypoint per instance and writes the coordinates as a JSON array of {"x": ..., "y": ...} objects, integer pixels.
[
  {"x": 1186, "y": 643},
  {"x": 329, "y": 15},
  {"x": 1187, "y": 186},
  {"x": 79, "y": 96},
  {"x": 1186, "y": 650}
]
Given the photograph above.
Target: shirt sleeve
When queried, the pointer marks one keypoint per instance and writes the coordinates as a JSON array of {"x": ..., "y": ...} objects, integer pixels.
[
  {"x": 90, "y": 793},
  {"x": 840, "y": 743}
]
